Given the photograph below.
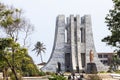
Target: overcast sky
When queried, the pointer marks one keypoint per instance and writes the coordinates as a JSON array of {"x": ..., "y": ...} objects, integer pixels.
[{"x": 43, "y": 13}]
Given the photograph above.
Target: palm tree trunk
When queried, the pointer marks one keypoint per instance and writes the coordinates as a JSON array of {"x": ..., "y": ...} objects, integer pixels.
[{"x": 41, "y": 57}]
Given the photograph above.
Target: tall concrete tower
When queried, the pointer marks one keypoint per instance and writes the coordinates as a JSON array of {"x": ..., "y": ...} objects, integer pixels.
[{"x": 72, "y": 44}]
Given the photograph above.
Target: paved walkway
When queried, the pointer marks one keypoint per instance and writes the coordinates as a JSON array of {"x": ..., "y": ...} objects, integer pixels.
[{"x": 104, "y": 76}]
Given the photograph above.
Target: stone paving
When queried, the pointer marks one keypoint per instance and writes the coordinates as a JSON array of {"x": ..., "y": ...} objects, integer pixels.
[{"x": 104, "y": 76}]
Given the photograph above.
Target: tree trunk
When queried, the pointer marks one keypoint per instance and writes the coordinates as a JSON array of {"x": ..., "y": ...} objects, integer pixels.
[
  {"x": 5, "y": 76},
  {"x": 12, "y": 68},
  {"x": 14, "y": 72},
  {"x": 41, "y": 57}
]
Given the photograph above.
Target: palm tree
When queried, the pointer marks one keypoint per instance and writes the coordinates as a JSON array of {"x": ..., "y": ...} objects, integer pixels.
[{"x": 39, "y": 48}]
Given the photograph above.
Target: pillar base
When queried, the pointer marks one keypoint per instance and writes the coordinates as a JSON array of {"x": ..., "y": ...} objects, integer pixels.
[{"x": 91, "y": 68}]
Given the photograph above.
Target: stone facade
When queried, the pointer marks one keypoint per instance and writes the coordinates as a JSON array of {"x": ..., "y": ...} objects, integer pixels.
[{"x": 72, "y": 44}]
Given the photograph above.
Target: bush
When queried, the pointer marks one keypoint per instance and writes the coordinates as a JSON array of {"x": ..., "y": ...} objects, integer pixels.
[
  {"x": 57, "y": 77},
  {"x": 102, "y": 72},
  {"x": 117, "y": 71},
  {"x": 52, "y": 78},
  {"x": 49, "y": 73},
  {"x": 12, "y": 76},
  {"x": 42, "y": 73}
]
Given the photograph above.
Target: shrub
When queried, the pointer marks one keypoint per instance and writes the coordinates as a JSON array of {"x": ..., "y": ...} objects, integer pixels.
[
  {"x": 42, "y": 73},
  {"x": 57, "y": 77},
  {"x": 12, "y": 76},
  {"x": 102, "y": 72},
  {"x": 117, "y": 71},
  {"x": 52, "y": 78},
  {"x": 49, "y": 73}
]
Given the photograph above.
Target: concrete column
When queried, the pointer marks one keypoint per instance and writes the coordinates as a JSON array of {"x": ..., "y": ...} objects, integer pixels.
[
  {"x": 78, "y": 36},
  {"x": 68, "y": 30},
  {"x": 73, "y": 52},
  {"x": 90, "y": 44},
  {"x": 58, "y": 54}
]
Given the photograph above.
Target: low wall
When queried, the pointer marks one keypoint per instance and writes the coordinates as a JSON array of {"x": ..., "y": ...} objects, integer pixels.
[
  {"x": 29, "y": 78},
  {"x": 1, "y": 75},
  {"x": 35, "y": 78}
]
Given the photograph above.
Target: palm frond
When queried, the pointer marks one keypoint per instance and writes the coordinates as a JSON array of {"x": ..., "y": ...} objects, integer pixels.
[{"x": 39, "y": 48}]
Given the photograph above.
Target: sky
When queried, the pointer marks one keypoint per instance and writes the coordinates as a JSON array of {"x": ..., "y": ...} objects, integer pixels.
[{"x": 42, "y": 14}]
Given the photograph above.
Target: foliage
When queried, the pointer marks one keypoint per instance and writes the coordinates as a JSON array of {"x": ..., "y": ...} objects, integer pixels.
[
  {"x": 113, "y": 24},
  {"x": 102, "y": 72},
  {"x": 12, "y": 77},
  {"x": 57, "y": 77},
  {"x": 18, "y": 60},
  {"x": 42, "y": 73},
  {"x": 94, "y": 77},
  {"x": 39, "y": 48},
  {"x": 115, "y": 62},
  {"x": 117, "y": 71},
  {"x": 29, "y": 68},
  {"x": 49, "y": 73},
  {"x": 9, "y": 52},
  {"x": 12, "y": 56},
  {"x": 113, "y": 39},
  {"x": 13, "y": 24}
]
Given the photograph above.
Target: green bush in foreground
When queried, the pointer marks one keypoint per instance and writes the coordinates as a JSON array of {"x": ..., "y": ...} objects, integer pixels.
[
  {"x": 42, "y": 73},
  {"x": 57, "y": 77},
  {"x": 117, "y": 71},
  {"x": 102, "y": 72}
]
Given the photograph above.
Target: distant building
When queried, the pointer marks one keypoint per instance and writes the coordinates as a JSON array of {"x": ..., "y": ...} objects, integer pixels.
[{"x": 105, "y": 58}]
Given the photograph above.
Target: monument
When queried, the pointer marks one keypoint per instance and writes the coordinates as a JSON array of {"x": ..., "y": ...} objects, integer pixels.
[
  {"x": 91, "y": 66},
  {"x": 73, "y": 42}
]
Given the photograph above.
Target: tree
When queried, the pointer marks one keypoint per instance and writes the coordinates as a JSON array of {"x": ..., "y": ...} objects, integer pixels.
[
  {"x": 113, "y": 24},
  {"x": 115, "y": 62},
  {"x": 3, "y": 68},
  {"x": 13, "y": 24},
  {"x": 6, "y": 53},
  {"x": 39, "y": 48},
  {"x": 21, "y": 62},
  {"x": 29, "y": 68},
  {"x": 113, "y": 39}
]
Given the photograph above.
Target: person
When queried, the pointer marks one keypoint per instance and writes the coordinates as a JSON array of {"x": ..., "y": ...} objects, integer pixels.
[
  {"x": 69, "y": 77},
  {"x": 59, "y": 67},
  {"x": 73, "y": 75}
]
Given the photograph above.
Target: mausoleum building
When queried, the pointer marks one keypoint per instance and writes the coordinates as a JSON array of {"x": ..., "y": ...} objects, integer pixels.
[{"x": 73, "y": 42}]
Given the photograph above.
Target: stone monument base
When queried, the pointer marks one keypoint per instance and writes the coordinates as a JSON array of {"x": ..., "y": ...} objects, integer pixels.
[{"x": 91, "y": 68}]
